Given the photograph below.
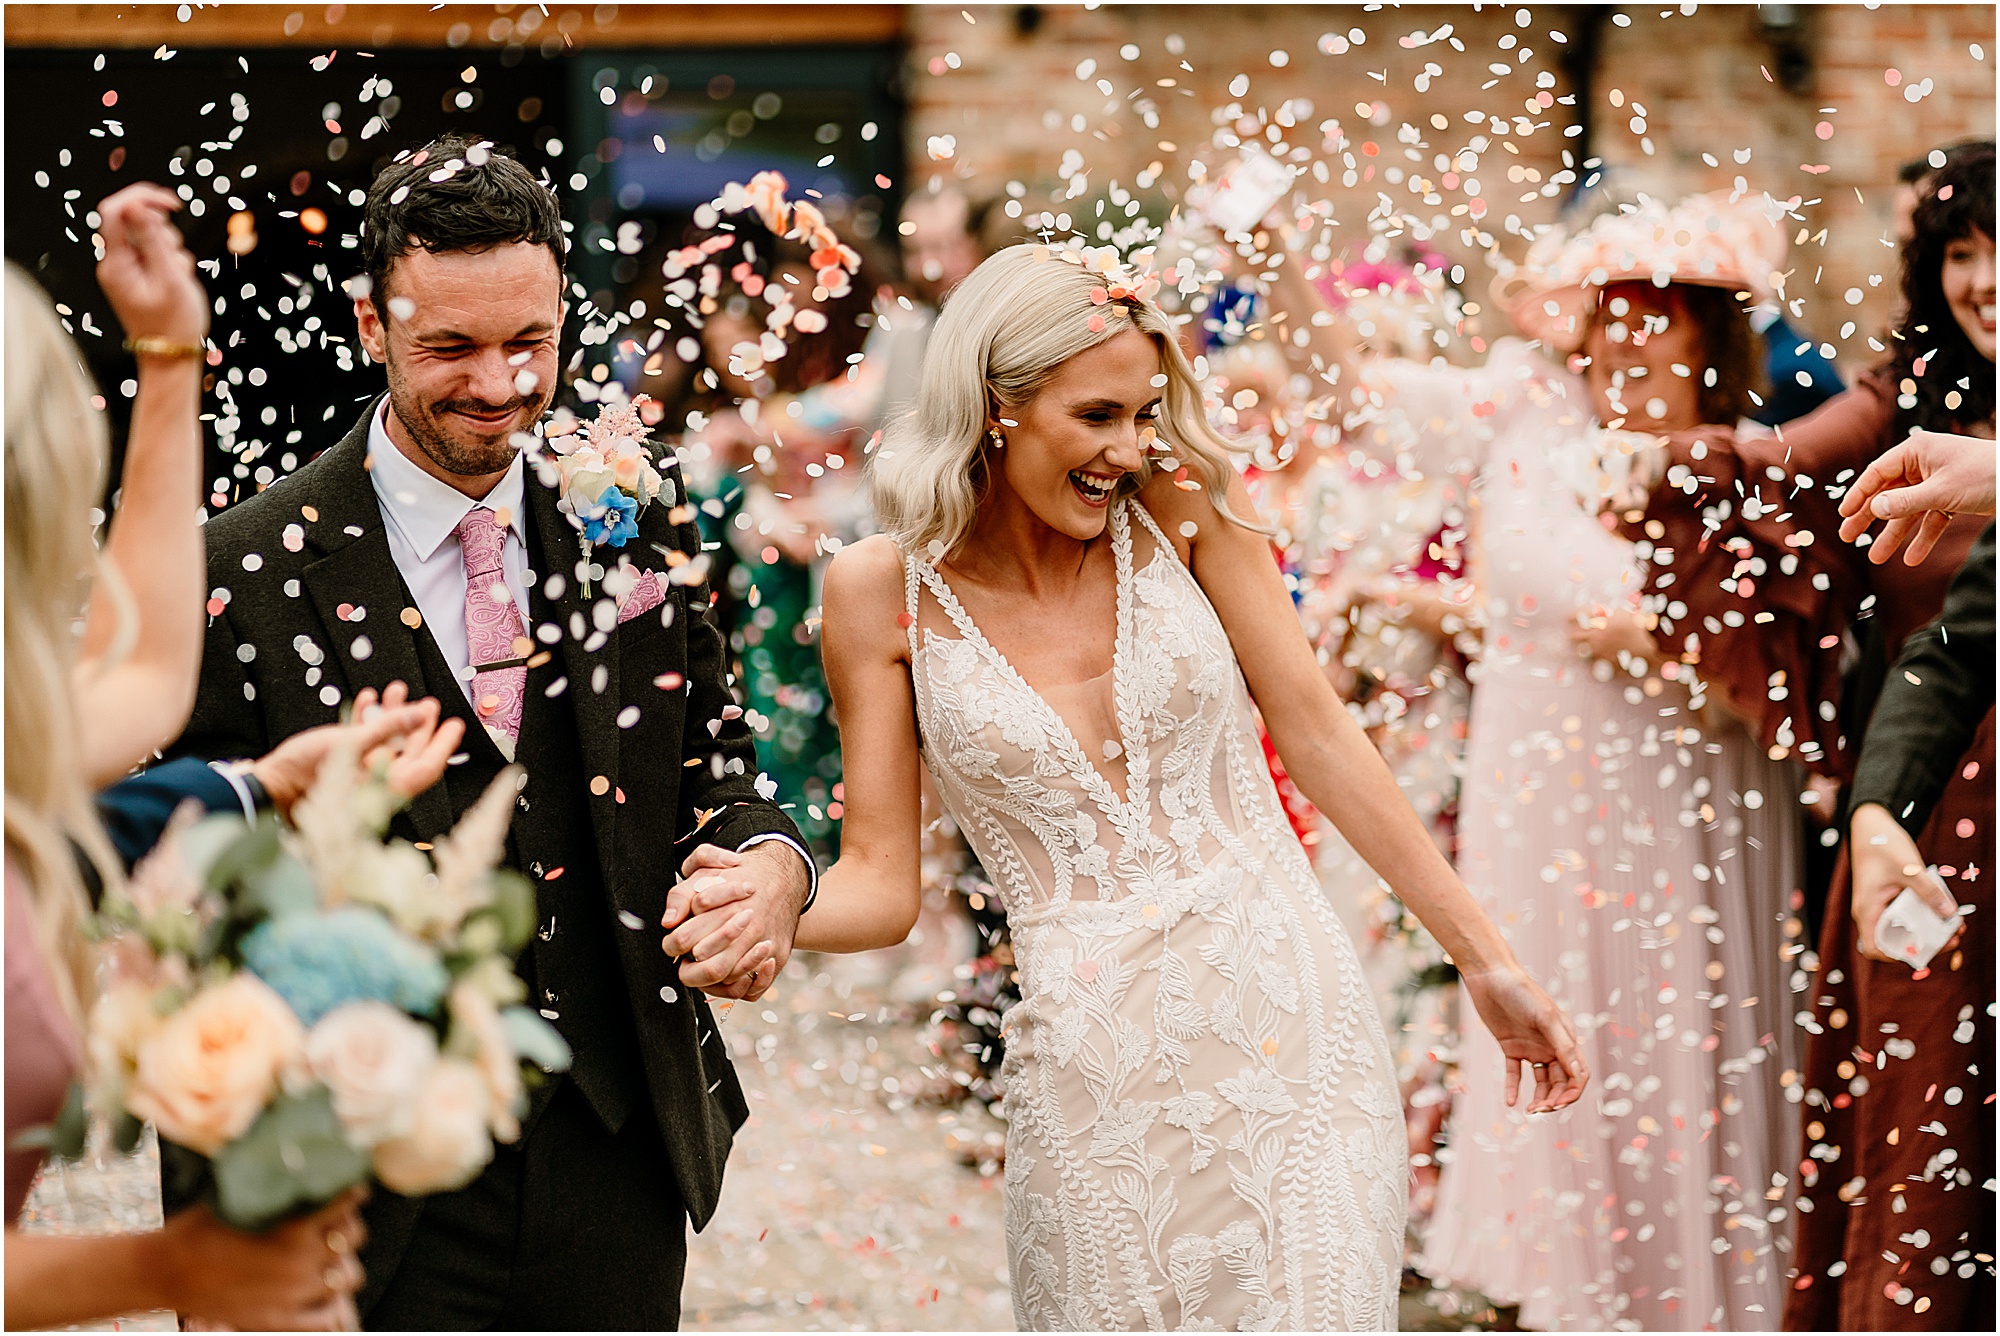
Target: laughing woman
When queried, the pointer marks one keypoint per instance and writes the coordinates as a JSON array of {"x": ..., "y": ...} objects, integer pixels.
[{"x": 1065, "y": 621}]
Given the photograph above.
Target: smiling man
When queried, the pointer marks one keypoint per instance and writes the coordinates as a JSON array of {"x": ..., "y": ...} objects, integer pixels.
[{"x": 420, "y": 549}]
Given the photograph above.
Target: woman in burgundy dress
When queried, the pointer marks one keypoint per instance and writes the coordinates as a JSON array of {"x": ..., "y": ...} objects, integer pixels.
[{"x": 1895, "y": 1224}]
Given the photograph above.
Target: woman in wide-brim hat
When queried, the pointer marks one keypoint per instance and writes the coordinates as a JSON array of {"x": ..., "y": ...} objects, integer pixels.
[
  {"x": 1625, "y": 834},
  {"x": 1894, "y": 1225}
]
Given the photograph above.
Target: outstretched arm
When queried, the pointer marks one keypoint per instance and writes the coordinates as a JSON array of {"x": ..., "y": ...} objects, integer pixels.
[
  {"x": 870, "y": 896},
  {"x": 135, "y": 697},
  {"x": 1334, "y": 765},
  {"x": 1917, "y": 487}
]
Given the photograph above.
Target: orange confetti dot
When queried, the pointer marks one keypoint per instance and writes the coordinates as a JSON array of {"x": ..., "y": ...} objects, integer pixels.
[
  {"x": 600, "y": 786},
  {"x": 111, "y": 98},
  {"x": 1965, "y": 828}
]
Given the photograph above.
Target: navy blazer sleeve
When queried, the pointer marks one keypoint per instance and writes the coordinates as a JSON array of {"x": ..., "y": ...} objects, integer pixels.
[{"x": 135, "y": 810}]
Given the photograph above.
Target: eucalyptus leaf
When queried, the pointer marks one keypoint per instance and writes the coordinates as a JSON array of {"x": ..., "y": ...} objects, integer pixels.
[
  {"x": 535, "y": 1039},
  {"x": 72, "y": 1126},
  {"x": 206, "y": 840},
  {"x": 514, "y": 906},
  {"x": 285, "y": 886},
  {"x": 246, "y": 856},
  {"x": 294, "y": 1156}
]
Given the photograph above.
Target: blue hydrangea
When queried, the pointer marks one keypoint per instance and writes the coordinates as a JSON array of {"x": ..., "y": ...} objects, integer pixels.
[
  {"x": 319, "y": 961},
  {"x": 616, "y": 521}
]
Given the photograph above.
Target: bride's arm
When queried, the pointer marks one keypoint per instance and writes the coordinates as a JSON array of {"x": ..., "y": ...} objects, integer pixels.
[
  {"x": 870, "y": 896},
  {"x": 1334, "y": 765}
]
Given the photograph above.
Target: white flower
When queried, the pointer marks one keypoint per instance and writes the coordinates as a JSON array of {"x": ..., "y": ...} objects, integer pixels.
[
  {"x": 373, "y": 1059},
  {"x": 448, "y": 1142},
  {"x": 1255, "y": 1090},
  {"x": 586, "y": 476},
  {"x": 395, "y": 878}
]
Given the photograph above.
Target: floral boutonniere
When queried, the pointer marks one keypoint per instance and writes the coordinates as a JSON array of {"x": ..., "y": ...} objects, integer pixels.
[{"x": 603, "y": 473}]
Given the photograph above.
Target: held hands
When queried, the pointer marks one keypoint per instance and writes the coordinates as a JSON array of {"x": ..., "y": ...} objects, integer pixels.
[
  {"x": 407, "y": 734},
  {"x": 1884, "y": 861},
  {"x": 298, "y": 1276},
  {"x": 732, "y": 921},
  {"x": 1531, "y": 1028},
  {"x": 1918, "y": 486},
  {"x": 146, "y": 272}
]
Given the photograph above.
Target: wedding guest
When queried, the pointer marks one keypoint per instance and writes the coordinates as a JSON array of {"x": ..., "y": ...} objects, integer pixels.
[
  {"x": 424, "y": 522},
  {"x": 1918, "y": 486},
  {"x": 1757, "y": 589},
  {"x": 81, "y": 711},
  {"x": 1642, "y": 902}
]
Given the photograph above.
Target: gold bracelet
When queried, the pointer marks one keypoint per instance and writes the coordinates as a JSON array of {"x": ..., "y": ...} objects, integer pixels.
[{"x": 157, "y": 347}]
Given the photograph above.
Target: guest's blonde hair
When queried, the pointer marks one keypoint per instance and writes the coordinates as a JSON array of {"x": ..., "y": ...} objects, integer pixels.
[
  {"x": 1002, "y": 334},
  {"x": 57, "y": 448}
]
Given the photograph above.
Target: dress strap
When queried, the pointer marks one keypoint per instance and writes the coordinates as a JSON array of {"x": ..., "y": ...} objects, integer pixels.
[
  {"x": 911, "y": 580},
  {"x": 947, "y": 600},
  {"x": 1146, "y": 519}
]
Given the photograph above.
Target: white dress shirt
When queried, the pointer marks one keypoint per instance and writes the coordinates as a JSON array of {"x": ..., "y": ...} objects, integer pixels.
[{"x": 421, "y": 517}]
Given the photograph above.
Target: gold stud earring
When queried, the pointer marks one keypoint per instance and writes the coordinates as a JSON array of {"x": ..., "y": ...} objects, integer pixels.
[{"x": 999, "y": 441}]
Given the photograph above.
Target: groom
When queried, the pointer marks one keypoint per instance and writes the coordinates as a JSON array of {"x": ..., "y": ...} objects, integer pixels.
[{"x": 420, "y": 549}]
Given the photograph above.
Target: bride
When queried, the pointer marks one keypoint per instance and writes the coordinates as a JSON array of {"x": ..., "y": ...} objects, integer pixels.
[{"x": 1066, "y": 621}]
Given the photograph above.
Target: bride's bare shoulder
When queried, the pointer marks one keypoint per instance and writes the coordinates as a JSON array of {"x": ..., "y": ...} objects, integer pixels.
[{"x": 863, "y": 594}]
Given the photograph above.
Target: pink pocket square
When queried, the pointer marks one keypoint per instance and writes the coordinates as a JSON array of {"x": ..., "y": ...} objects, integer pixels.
[{"x": 646, "y": 595}]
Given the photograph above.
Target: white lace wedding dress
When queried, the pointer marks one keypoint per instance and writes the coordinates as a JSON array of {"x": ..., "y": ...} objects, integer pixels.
[{"x": 1203, "y": 1131}]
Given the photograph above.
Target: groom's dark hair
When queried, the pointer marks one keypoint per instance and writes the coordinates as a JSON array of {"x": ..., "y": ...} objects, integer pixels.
[{"x": 453, "y": 194}]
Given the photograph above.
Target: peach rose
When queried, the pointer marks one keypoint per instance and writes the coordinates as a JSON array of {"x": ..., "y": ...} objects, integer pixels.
[
  {"x": 448, "y": 1142},
  {"x": 373, "y": 1059},
  {"x": 208, "y": 1071}
]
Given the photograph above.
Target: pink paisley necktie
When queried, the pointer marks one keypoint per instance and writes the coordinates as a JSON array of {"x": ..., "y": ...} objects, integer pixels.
[{"x": 499, "y": 646}]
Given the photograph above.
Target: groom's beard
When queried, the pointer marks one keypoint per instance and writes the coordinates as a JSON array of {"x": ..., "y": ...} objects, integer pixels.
[{"x": 456, "y": 445}]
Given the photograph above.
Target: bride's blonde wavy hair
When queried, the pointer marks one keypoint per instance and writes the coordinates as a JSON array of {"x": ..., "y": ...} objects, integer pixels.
[
  {"x": 57, "y": 455},
  {"x": 1002, "y": 334}
]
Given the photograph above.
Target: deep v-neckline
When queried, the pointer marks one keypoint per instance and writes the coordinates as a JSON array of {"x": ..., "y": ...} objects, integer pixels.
[{"x": 1079, "y": 760}]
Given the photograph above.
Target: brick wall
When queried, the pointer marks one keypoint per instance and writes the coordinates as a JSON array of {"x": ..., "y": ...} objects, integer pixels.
[{"x": 1005, "y": 90}]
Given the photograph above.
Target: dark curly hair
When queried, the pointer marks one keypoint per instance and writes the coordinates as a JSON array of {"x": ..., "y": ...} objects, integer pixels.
[
  {"x": 490, "y": 199},
  {"x": 1957, "y": 201}
]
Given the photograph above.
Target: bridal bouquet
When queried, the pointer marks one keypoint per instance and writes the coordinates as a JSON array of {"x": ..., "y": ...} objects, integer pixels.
[{"x": 297, "y": 1008}]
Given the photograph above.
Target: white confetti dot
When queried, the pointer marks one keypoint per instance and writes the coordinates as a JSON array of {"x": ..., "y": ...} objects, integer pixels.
[
  {"x": 253, "y": 561},
  {"x": 628, "y": 716},
  {"x": 362, "y": 649},
  {"x": 329, "y": 695},
  {"x": 1189, "y": 528}
]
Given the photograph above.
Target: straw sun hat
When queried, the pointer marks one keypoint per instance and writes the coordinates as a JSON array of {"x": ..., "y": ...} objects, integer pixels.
[{"x": 1704, "y": 240}]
